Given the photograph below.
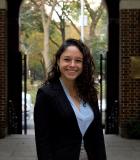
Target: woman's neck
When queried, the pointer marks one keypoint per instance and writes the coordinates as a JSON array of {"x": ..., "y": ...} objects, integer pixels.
[{"x": 70, "y": 85}]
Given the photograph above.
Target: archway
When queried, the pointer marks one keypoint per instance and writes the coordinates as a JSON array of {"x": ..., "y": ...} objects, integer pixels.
[{"x": 15, "y": 67}]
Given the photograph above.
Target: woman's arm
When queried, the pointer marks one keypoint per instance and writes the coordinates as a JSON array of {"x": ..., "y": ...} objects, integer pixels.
[{"x": 42, "y": 124}]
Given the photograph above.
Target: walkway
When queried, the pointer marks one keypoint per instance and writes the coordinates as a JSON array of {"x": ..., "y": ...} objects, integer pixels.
[{"x": 21, "y": 147}]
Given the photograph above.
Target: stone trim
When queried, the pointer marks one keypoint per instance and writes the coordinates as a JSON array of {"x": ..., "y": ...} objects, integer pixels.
[
  {"x": 132, "y": 4},
  {"x": 3, "y": 4}
]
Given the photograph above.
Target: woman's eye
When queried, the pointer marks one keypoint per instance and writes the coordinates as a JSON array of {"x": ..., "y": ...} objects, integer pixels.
[
  {"x": 79, "y": 60},
  {"x": 75, "y": 60},
  {"x": 66, "y": 59}
]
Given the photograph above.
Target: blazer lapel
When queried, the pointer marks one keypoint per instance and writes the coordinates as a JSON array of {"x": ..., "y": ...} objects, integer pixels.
[{"x": 65, "y": 104}]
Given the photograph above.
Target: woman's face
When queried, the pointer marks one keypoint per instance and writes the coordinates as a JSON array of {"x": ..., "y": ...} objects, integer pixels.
[{"x": 70, "y": 63}]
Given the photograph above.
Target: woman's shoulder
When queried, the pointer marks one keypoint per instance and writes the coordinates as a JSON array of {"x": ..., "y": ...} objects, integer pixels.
[
  {"x": 50, "y": 87},
  {"x": 45, "y": 86}
]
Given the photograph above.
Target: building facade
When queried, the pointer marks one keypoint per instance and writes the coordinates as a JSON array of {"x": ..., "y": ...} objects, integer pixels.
[
  {"x": 123, "y": 71},
  {"x": 129, "y": 64}
]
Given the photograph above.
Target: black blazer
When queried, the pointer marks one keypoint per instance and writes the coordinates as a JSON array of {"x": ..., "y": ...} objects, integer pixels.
[{"x": 57, "y": 134}]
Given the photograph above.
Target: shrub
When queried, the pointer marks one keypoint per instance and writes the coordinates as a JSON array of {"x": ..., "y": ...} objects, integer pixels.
[{"x": 133, "y": 129}]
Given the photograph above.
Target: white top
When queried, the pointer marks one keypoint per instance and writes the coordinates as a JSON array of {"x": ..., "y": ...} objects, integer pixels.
[{"x": 84, "y": 116}]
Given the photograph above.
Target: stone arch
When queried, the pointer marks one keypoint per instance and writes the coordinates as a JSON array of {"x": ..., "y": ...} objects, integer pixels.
[
  {"x": 112, "y": 67},
  {"x": 14, "y": 69},
  {"x": 15, "y": 59}
]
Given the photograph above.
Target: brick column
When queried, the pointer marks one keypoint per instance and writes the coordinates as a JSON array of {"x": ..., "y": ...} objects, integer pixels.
[
  {"x": 129, "y": 47},
  {"x": 3, "y": 68}
]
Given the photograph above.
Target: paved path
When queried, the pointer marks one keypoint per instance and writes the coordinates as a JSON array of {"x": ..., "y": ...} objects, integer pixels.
[{"x": 22, "y": 147}]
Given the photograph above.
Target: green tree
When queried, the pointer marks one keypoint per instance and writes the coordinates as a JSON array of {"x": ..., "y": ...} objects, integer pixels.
[{"x": 37, "y": 21}]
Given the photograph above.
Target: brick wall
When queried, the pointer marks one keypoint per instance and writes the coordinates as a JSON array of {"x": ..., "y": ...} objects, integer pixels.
[
  {"x": 129, "y": 86},
  {"x": 3, "y": 73}
]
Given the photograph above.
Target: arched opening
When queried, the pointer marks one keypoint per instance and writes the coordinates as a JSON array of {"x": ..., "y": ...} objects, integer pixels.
[
  {"x": 15, "y": 64},
  {"x": 94, "y": 34}
]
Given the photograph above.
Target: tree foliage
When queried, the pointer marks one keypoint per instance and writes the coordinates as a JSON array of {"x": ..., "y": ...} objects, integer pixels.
[{"x": 41, "y": 33}]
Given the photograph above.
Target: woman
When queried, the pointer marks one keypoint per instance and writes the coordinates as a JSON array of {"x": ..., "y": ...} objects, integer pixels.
[{"x": 66, "y": 113}]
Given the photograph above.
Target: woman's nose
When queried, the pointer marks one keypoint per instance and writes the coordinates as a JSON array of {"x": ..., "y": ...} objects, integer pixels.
[{"x": 72, "y": 62}]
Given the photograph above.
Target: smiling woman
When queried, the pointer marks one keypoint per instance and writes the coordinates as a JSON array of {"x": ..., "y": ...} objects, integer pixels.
[
  {"x": 66, "y": 112},
  {"x": 71, "y": 63}
]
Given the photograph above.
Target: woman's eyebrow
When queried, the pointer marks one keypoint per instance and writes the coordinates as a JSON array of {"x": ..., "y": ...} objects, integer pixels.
[{"x": 72, "y": 57}]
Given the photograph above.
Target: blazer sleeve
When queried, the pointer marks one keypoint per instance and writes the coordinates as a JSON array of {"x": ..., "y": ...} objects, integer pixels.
[{"x": 42, "y": 126}]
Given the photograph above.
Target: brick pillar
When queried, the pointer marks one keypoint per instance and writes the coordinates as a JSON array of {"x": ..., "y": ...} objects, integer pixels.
[
  {"x": 129, "y": 47},
  {"x": 3, "y": 69}
]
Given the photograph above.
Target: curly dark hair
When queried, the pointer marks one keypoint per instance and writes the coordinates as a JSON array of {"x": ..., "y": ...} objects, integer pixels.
[{"x": 85, "y": 81}]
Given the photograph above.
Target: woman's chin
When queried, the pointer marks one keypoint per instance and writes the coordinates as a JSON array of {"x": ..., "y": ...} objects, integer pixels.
[{"x": 71, "y": 78}]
